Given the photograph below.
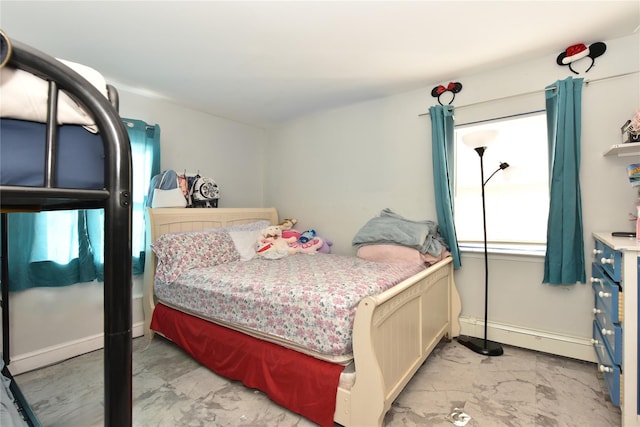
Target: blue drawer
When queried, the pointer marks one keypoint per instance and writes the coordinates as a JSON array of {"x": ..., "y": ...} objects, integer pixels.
[
  {"x": 610, "y": 371},
  {"x": 607, "y": 293},
  {"x": 609, "y": 259},
  {"x": 611, "y": 335}
]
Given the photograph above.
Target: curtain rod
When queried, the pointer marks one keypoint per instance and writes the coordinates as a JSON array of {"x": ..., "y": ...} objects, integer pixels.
[{"x": 586, "y": 82}]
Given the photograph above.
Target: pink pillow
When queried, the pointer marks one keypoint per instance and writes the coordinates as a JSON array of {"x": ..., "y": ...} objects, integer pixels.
[{"x": 395, "y": 254}]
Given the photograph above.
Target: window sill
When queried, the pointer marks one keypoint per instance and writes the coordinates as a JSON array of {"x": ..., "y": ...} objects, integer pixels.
[{"x": 504, "y": 249}]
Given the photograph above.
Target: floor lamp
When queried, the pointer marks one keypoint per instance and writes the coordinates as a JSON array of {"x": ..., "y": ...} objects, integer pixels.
[{"x": 479, "y": 141}]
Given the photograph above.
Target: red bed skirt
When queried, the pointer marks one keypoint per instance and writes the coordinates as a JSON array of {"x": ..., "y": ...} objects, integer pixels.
[{"x": 300, "y": 383}]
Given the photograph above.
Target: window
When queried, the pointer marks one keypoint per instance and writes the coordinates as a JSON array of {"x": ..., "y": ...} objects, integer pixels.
[
  {"x": 57, "y": 239},
  {"x": 59, "y": 248},
  {"x": 517, "y": 198},
  {"x": 59, "y": 243}
]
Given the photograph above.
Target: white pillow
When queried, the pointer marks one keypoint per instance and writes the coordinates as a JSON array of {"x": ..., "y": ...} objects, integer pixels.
[
  {"x": 245, "y": 242},
  {"x": 244, "y": 236}
]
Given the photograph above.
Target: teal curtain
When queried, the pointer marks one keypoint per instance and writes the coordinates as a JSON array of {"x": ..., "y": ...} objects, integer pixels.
[
  {"x": 60, "y": 248},
  {"x": 564, "y": 260},
  {"x": 442, "y": 148},
  {"x": 145, "y": 154}
]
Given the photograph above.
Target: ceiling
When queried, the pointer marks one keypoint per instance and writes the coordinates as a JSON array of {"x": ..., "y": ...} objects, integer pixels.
[{"x": 268, "y": 62}]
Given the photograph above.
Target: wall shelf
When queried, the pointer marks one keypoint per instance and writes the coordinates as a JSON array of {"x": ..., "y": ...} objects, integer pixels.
[{"x": 624, "y": 150}]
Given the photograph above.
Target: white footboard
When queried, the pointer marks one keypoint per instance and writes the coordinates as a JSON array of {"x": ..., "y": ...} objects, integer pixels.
[{"x": 392, "y": 336}]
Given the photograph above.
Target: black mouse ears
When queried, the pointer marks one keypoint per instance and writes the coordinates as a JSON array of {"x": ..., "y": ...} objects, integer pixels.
[
  {"x": 579, "y": 51},
  {"x": 453, "y": 87}
]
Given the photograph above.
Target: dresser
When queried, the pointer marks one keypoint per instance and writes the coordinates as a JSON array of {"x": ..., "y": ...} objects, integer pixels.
[{"x": 614, "y": 279}]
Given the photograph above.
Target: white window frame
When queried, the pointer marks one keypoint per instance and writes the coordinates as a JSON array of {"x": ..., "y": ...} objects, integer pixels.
[{"x": 506, "y": 203}]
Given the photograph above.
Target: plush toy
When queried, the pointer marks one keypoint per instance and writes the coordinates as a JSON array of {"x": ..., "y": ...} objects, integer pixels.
[
  {"x": 326, "y": 246},
  {"x": 306, "y": 236},
  {"x": 309, "y": 247},
  {"x": 273, "y": 231},
  {"x": 287, "y": 223},
  {"x": 274, "y": 245},
  {"x": 272, "y": 248},
  {"x": 291, "y": 233}
]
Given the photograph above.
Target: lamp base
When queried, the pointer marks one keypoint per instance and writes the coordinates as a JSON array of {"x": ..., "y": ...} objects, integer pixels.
[{"x": 481, "y": 346}]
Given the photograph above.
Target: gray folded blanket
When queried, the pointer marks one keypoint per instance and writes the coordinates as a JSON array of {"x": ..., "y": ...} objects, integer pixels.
[{"x": 391, "y": 228}]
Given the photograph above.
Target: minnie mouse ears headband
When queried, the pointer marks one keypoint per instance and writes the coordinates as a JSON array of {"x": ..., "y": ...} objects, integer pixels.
[
  {"x": 453, "y": 87},
  {"x": 579, "y": 51}
]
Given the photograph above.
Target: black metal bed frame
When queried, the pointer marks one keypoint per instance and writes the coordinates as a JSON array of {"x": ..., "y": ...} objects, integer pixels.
[{"x": 114, "y": 198}]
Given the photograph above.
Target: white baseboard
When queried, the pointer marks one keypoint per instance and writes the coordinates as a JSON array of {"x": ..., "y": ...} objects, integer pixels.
[
  {"x": 562, "y": 345},
  {"x": 55, "y": 354}
]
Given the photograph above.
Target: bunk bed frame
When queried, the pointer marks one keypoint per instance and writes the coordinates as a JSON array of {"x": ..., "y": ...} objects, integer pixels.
[{"x": 114, "y": 198}]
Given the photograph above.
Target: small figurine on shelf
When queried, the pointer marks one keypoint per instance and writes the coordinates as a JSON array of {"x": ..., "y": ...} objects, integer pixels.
[
  {"x": 634, "y": 130},
  {"x": 631, "y": 129}
]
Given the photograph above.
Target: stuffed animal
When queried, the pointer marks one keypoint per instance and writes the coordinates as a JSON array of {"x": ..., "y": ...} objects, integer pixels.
[
  {"x": 273, "y": 231},
  {"x": 272, "y": 245},
  {"x": 272, "y": 249},
  {"x": 291, "y": 233},
  {"x": 309, "y": 247},
  {"x": 287, "y": 223},
  {"x": 306, "y": 236},
  {"x": 326, "y": 247},
  {"x": 309, "y": 235}
]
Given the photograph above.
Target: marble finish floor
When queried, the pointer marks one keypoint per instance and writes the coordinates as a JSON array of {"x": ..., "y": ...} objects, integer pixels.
[{"x": 520, "y": 388}]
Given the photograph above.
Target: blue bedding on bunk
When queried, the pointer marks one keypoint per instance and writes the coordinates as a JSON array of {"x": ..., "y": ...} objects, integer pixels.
[{"x": 80, "y": 157}]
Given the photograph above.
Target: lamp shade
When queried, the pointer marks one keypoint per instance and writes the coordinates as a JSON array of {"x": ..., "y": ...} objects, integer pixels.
[{"x": 481, "y": 138}]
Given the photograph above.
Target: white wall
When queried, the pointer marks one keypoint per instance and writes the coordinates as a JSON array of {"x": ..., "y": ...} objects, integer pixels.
[
  {"x": 228, "y": 151},
  {"x": 52, "y": 324},
  {"x": 335, "y": 170}
]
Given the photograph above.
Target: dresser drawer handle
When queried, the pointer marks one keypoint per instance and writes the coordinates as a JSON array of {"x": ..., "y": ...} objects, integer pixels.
[
  {"x": 597, "y": 280},
  {"x": 594, "y": 341},
  {"x": 597, "y": 252},
  {"x": 602, "y": 294},
  {"x": 597, "y": 311},
  {"x": 604, "y": 260},
  {"x": 606, "y": 331},
  {"x": 603, "y": 368}
]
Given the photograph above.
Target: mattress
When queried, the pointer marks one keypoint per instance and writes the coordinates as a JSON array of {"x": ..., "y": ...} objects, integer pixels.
[
  {"x": 303, "y": 302},
  {"x": 80, "y": 155}
]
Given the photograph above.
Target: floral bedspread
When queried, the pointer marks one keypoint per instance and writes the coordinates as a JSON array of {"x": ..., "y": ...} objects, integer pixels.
[{"x": 309, "y": 300}]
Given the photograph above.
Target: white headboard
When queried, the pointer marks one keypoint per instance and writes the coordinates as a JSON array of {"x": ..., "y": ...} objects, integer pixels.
[{"x": 172, "y": 220}]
